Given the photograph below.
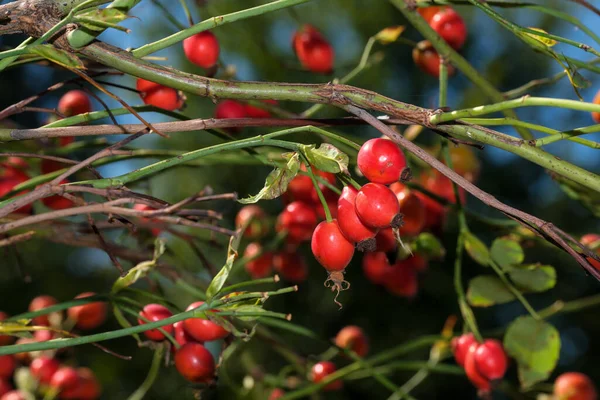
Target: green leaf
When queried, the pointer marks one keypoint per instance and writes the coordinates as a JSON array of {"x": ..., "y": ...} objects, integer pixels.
[
  {"x": 390, "y": 34},
  {"x": 60, "y": 57},
  {"x": 140, "y": 270},
  {"x": 249, "y": 309},
  {"x": 219, "y": 280},
  {"x": 125, "y": 323},
  {"x": 327, "y": 158},
  {"x": 488, "y": 290},
  {"x": 507, "y": 253},
  {"x": 429, "y": 246},
  {"x": 545, "y": 40},
  {"x": 533, "y": 278},
  {"x": 98, "y": 19},
  {"x": 277, "y": 181},
  {"x": 477, "y": 249},
  {"x": 18, "y": 328},
  {"x": 535, "y": 345}
]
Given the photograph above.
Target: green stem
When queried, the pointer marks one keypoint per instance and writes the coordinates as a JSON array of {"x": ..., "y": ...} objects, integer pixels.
[
  {"x": 410, "y": 366},
  {"x": 524, "y": 101},
  {"x": 141, "y": 392},
  {"x": 561, "y": 307},
  {"x": 319, "y": 191},
  {"x": 240, "y": 285},
  {"x": 455, "y": 59},
  {"x": 60, "y": 307},
  {"x": 516, "y": 292},
  {"x": 443, "y": 99},
  {"x": 213, "y": 23},
  {"x": 135, "y": 314}
]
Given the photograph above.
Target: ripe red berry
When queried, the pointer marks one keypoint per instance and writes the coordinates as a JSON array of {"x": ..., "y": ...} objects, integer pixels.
[
  {"x": 375, "y": 266},
  {"x": 74, "y": 102},
  {"x": 401, "y": 280},
  {"x": 58, "y": 202},
  {"x": 440, "y": 185},
  {"x": 256, "y": 112},
  {"x": 291, "y": 266},
  {"x": 65, "y": 380},
  {"x": 14, "y": 167},
  {"x": 596, "y": 115},
  {"x": 88, "y": 387},
  {"x": 145, "y": 207},
  {"x": 14, "y": 395},
  {"x": 202, "y": 329},
  {"x": 159, "y": 96},
  {"x": 195, "y": 363},
  {"x": 153, "y": 313},
  {"x": 299, "y": 220},
  {"x": 460, "y": 347},
  {"x": 491, "y": 360},
  {"x": 300, "y": 188},
  {"x": 574, "y": 386},
  {"x": 257, "y": 227},
  {"x": 450, "y": 26},
  {"x": 7, "y": 366},
  {"x": 350, "y": 224},
  {"x": 7, "y": 185},
  {"x": 43, "y": 336},
  {"x": 412, "y": 209},
  {"x": 386, "y": 240},
  {"x": 180, "y": 335},
  {"x": 230, "y": 109},
  {"x": 40, "y": 303},
  {"x": 5, "y": 339},
  {"x": 321, "y": 370},
  {"x": 43, "y": 368},
  {"x": 428, "y": 59},
  {"x": 88, "y": 316},
  {"x": 353, "y": 337},
  {"x": 202, "y": 49},
  {"x": 588, "y": 240},
  {"x": 381, "y": 161},
  {"x": 428, "y": 12},
  {"x": 329, "y": 246},
  {"x": 476, "y": 378},
  {"x": 5, "y": 388},
  {"x": 276, "y": 394},
  {"x": 465, "y": 162},
  {"x": 260, "y": 266},
  {"x": 377, "y": 206},
  {"x": 313, "y": 50}
]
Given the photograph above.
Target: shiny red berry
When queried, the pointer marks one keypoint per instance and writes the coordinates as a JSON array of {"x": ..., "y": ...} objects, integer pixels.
[
  {"x": 411, "y": 208},
  {"x": 313, "y": 50},
  {"x": 202, "y": 329},
  {"x": 460, "y": 347},
  {"x": 428, "y": 59},
  {"x": 180, "y": 335},
  {"x": 377, "y": 206},
  {"x": 450, "y": 26},
  {"x": 7, "y": 366},
  {"x": 386, "y": 240},
  {"x": 291, "y": 266},
  {"x": 329, "y": 246},
  {"x": 351, "y": 225},
  {"x": 65, "y": 380},
  {"x": 574, "y": 386},
  {"x": 88, "y": 387},
  {"x": 381, "y": 161},
  {"x": 428, "y": 12},
  {"x": 195, "y": 363},
  {"x": 589, "y": 240},
  {"x": 354, "y": 338},
  {"x": 39, "y": 303},
  {"x": 153, "y": 313},
  {"x": 14, "y": 395},
  {"x": 375, "y": 266},
  {"x": 230, "y": 109},
  {"x": 257, "y": 227},
  {"x": 491, "y": 360},
  {"x": 256, "y": 112},
  {"x": 300, "y": 188},
  {"x": 159, "y": 96},
  {"x": 74, "y": 102},
  {"x": 401, "y": 280},
  {"x": 276, "y": 394},
  {"x": 58, "y": 202},
  {"x": 43, "y": 368},
  {"x": 476, "y": 378},
  {"x": 321, "y": 370},
  {"x": 261, "y": 265},
  {"x": 88, "y": 316},
  {"x": 299, "y": 219},
  {"x": 202, "y": 49}
]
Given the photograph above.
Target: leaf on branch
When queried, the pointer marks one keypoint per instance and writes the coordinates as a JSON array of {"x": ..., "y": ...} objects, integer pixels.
[
  {"x": 326, "y": 158},
  {"x": 125, "y": 323},
  {"x": 219, "y": 280},
  {"x": 487, "y": 290},
  {"x": 576, "y": 79},
  {"x": 277, "y": 182},
  {"x": 477, "y": 249},
  {"x": 507, "y": 253},
  {"x": 535, "y": 345},
  {"x": 429, "y": 246},
  {"x": 390, "y": 34},
  {"x": 60, "y": 57},
  {"x": 546, "y": 41},
  {"x": 140, "y": 270},
  {"x": 534, "y": 277},
  {"x": 99, "y": 19}
]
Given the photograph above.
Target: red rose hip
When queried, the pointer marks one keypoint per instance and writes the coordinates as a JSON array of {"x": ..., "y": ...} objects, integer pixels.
[
  {"x": 88, "y": 316},
  {"x": 321, "y": 370},
  {"x": 195, "y": 363},
  {"x": 377, "y": 206},
  {"x": 43, "y": 368},
  {"x": 350, "y": 224},
  {"x": 39, "y": 303},
  {"x": 491, "y": 360},
  {"x": 202, "y": 329},
  {"x": 450, "y": 26},
  {"x": 259, "y": 266},
  {"x": 202, "y": 49},
  {"x": 460, "y": 347},
  {"x": 574, "y": 386},
  {"x": 329, "y": 246},
  {"x": 381, "y": 161},
  {"x": 299, "y": 220},
  {"x": 353, "y": 337},
  {"x": 74, "y": 102},
  {"x": 153, "y": 313}
]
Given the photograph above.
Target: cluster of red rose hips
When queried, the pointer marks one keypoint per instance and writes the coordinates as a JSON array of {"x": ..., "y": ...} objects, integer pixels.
[
  {"x": 45, "y": 372},
  {"x": 592, "y": 240},
  {"x": 450, "y": 26}
]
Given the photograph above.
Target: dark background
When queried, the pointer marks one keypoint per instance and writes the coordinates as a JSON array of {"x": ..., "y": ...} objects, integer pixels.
[{"x": 259, "y": 48}]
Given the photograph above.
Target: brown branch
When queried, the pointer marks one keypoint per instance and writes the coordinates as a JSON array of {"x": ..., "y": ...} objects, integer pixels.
[
  {"x": 22, "y": 237},
  {"x": 547, "y": 229}
]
